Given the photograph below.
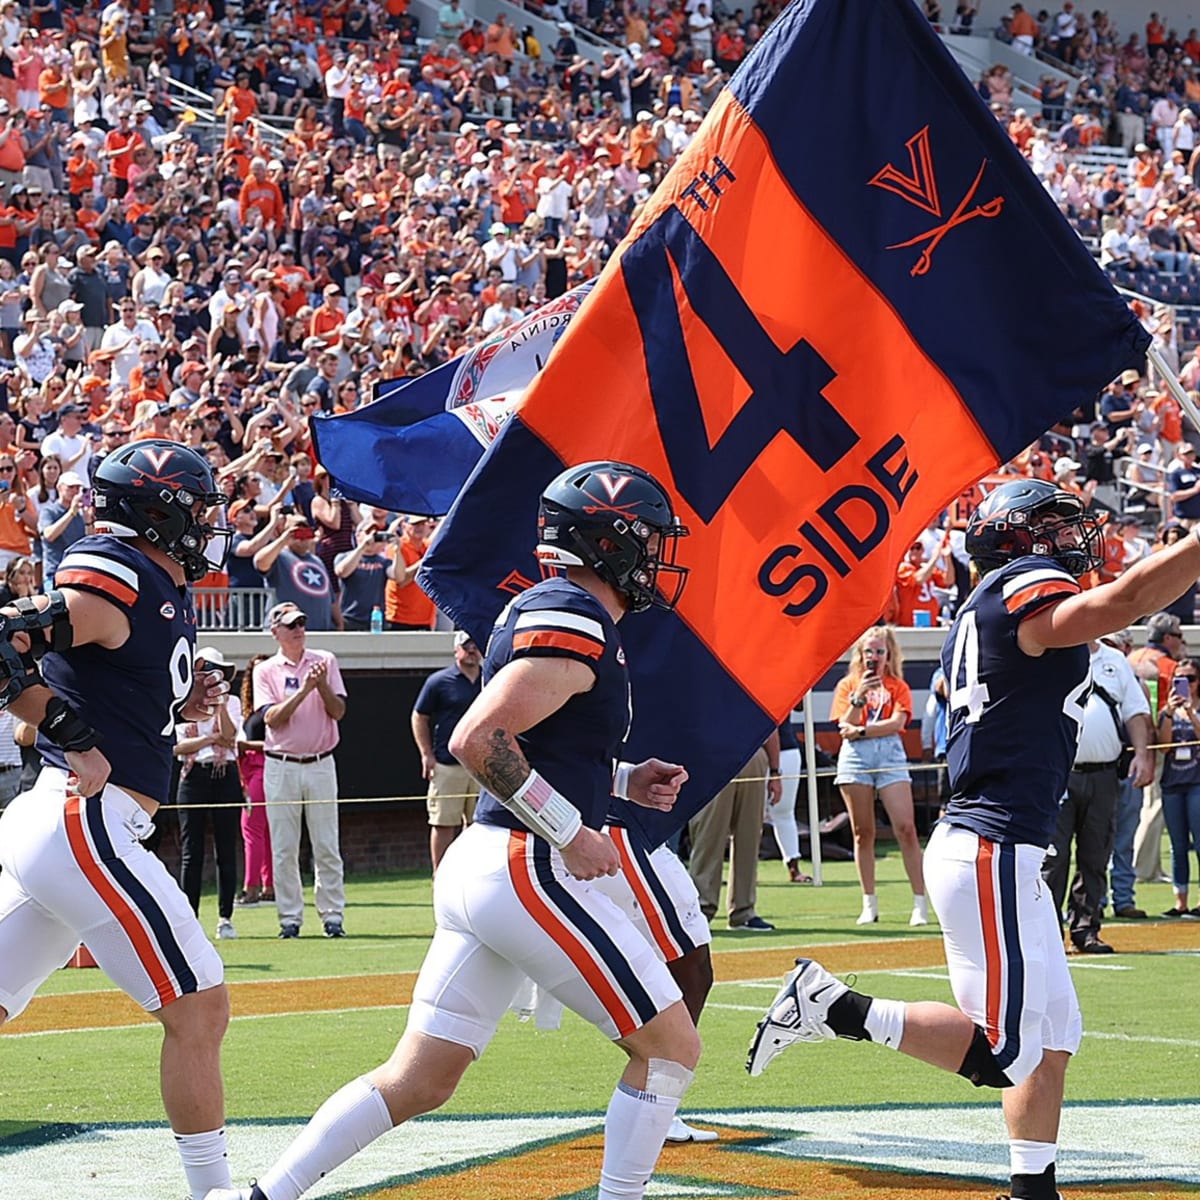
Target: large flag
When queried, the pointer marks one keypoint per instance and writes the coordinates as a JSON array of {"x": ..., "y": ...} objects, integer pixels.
[
  {"x": 849, "y": 299},
  {"x": 412, "y": 449}
]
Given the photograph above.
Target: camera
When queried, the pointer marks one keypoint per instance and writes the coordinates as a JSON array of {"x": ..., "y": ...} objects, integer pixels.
[{"x": 380, "y": 535}]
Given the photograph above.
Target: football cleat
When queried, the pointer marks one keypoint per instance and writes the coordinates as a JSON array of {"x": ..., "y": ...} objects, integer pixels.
[
  {"x": 681, "y": 1131},
  {"x": 229, "y": 1194},
  {"x": 797, "y": 1014}
]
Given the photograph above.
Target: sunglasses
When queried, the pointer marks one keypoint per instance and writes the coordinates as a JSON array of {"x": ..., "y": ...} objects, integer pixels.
[{"x": 8, "y": 470}]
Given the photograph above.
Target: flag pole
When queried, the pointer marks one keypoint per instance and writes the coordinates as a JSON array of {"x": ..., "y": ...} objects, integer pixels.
[
  {"x": 1154, "y": 355},
  {"x": 810, "y": 775}
]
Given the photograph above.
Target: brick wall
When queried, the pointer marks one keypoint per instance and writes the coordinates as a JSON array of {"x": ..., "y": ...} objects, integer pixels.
[{"x": 375, "y": 838}]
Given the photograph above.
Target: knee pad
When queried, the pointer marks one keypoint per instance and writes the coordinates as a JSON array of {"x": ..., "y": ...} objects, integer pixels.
[
  {"x": 979, "y": 1065},
  {"x": 667, "y": 1078}
]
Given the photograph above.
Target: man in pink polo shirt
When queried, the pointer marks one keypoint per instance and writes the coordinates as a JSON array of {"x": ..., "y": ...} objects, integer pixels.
[{"x": 304, "y": 698}]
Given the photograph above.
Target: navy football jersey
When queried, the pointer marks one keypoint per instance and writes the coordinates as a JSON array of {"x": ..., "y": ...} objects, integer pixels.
[
  {"x": 1014, "y": 718},
  {"x": 132, "y": 695},
  {"x": 572, "y": 749}
]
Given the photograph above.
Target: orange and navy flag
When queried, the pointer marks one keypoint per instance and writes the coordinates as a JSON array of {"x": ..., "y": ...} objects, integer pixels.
[{"x": 849, "y": 299}]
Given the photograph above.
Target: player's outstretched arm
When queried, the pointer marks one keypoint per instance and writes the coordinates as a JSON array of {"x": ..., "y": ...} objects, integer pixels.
[{"x": 1145, "y": 588}]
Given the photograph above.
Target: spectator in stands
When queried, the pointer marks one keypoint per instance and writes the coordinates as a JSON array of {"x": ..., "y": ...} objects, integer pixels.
[
  {"x": 62, "y": 521},
  {"x": 443, "y": 699},
  {"x": 304, "y": 698},
  {"x": 872, "y": 705},
  {"x": 1184, "y": 485},
  {"x": 296, "y": 574},
  {"x": 916, "y": 601},
  {"x": 210, "y": 789},
  {"x": 732, "y": 821},
  {"x": 365, "y": 569},
  {"x": 407, "y": 605},
  {"x": 1117, "y": 404},
  {"x": 256, "y": 834},
  {"x": 1178, "y": 726}
]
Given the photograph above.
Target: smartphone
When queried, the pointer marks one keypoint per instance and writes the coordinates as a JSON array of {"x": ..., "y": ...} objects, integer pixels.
[
  {"x": 1181, "y": 687},
  {"x": 287, "y": 509}
]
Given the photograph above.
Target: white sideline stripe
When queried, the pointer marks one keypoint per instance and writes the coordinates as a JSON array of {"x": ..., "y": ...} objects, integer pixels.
[
  {"x": 152, "y": 1025},
  {"x": 557, "y": 619}
]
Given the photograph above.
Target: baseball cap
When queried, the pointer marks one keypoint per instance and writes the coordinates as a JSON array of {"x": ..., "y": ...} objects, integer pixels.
[
  {"x": 240, "y": 506},
  {"x": 462, "y": 637},
  {"x": 214, "y": 660},
  {"x": 497, "y": 227},
  {"x": 285, "y": 614},
  {"x": 1066, "y": 464},
  {"x": 1130, "y": 376},
  {"x": 68, "y": 410},
  {"x": 71, "y": 479}
]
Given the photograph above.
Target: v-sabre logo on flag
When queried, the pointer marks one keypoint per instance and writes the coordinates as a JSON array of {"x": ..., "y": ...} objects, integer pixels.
[{"x": 764, "y": 346}]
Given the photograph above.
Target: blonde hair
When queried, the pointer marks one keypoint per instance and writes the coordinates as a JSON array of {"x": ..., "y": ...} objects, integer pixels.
[{"x": 895, "y": 656}]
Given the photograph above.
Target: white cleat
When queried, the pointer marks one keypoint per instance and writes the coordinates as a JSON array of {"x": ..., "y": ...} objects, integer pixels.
[
  {"x": 228, "y": 1194},
  {"x": 918, "y": 918},
  {"x": 681, "y": 1131},
  {"x": 797, "y": 1014}
]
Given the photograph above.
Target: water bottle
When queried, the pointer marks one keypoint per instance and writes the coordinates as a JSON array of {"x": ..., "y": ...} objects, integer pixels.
[{"x": 377, "y": 619}]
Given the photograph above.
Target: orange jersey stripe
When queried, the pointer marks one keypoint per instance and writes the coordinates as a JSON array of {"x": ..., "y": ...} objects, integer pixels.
[
  {"x": 558, "y": 640},
  {"x": 658, "y": 931},
  {"x": 991, "y": 937},
  {"x": 564, "y": 938},
  {"x": 1036, "y": 591},
  {"x": 116, "y": 903},
  {"x": 96, "y": 579}
]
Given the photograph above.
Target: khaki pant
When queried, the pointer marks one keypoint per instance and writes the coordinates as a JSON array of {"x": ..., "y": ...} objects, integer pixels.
[
  {"x": 736, "y": 811},
  {"x": 308, "y": 792},
  {"x": 450, "y": 801},
  {"x": 1147, "y": 842}
]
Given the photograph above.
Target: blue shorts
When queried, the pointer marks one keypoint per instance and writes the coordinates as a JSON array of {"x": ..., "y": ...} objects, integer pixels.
[{"x": 875, "y": 762}]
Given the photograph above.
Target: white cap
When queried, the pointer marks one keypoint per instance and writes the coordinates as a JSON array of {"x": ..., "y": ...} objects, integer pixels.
[{"x": 1065, "y": 464}]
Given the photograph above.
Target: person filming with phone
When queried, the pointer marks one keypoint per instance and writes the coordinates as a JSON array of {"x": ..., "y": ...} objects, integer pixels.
[
  {"x": 872, "y": 705},
  {"x": 365, "y": 569},
  {"x": 1179, "y": 727}
]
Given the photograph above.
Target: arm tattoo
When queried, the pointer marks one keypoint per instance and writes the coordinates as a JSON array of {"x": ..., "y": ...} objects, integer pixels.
[{"x": 504, "y": 767}]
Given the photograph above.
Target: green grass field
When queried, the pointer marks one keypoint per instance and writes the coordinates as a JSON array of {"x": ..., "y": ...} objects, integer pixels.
[{"x": 1141, "y": 1050}]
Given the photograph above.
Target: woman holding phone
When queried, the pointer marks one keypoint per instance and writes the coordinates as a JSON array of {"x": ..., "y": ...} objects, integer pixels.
[
  {"x": 1179, "y": 725},
  {"x": 872, "y": 705}
]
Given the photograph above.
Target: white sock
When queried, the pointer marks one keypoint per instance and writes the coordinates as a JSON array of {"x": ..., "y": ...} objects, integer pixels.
[
  {"x": 346, "y": 1123},
  {"x": 635, "y": 1128},
  {"x": 885, "y": 1022},
  {"x": 870, "y": 904},
  {"x": 1030, "y": 1158},
  {"x": 921, "y": 905},
  {"x": 205, "y": 1161}
]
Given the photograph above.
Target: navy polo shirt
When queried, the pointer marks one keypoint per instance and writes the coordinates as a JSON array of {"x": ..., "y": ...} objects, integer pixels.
[
  {"x": 444, "y": 697},
  {"x": 1185, "y": 477}
]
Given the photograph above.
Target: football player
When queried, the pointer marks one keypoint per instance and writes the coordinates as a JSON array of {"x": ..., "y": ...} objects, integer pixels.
[
  {"x": 1017, "y": 664},
  {"x": 102, "y": 666},
  {"x": 513, "y": 895}
]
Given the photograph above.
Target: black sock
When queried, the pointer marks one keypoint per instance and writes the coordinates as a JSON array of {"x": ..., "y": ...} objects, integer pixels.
[
  {"x": 847, "y": 1016},
  {"x": 1035, "y": 1187}
]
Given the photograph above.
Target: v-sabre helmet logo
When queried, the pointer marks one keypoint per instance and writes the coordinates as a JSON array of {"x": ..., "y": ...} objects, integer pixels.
[
  {"x": 159, "y": 458},
  {"x": 613, "y": 485}
]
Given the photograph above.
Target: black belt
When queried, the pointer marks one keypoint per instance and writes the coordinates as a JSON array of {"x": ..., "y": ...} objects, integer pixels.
[
  {"x": 297, "y": 758},
  {"x": 1093, "y": 768}
]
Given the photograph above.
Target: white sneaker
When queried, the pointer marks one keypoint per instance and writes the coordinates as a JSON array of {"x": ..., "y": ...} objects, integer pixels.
[
  {"x": 920, "y": 912},
  {"x": 680, "y": 1131},
  {"x": 797, "y": 1014},
  {"x": 867, "y": 917},
  {"x": 225, "y": 928}
]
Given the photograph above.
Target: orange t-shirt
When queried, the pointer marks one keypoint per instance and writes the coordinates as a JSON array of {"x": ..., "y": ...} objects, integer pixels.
[
  {"x": 326, "y": 322},
  {"x": 912, "y": 596},
  {"x": 13, "y": 533},
  {"x": 408, "y": 605},
  {"x": 882, "y": 702},
  {"x": 1167, "y": 409}
]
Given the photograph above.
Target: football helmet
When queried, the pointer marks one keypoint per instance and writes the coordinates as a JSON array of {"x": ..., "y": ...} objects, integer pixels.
[
  {"x": 1031, "y": 517},
  {"x": 161, "y": 491},
  {"x": 618, "y": 520}
]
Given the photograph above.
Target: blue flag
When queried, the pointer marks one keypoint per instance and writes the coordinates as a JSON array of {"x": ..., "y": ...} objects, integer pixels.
[
  {"x": 815, "y": 335},
  {"x": 412, "y": 449}
]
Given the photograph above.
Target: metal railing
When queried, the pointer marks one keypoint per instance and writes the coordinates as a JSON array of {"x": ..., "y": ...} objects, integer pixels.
[
  {"x": 232, "y": 609},
  {"x": 1135, "y": 489}
]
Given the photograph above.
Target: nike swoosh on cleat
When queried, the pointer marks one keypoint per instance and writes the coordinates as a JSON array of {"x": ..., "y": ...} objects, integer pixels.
[{"x": 820, "y": 991}]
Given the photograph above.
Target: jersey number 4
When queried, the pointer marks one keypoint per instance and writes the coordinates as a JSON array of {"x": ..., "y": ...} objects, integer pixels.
[{"x": 968, "y": 692}]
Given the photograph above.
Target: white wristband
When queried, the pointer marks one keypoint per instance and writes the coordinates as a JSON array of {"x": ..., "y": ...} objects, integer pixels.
[
  {"x": 547, "y": 812},
  {"x": 620, "y": 783}
]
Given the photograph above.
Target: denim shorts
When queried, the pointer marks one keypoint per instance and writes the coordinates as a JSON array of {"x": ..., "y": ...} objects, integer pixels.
[{"x": 873, "y": 761}]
